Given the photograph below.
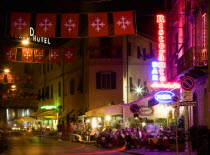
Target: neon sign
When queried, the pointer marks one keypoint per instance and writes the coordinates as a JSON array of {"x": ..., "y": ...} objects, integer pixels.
[
  {"x": 159, "y": 67},
  {"x": 164, "y": 96}
]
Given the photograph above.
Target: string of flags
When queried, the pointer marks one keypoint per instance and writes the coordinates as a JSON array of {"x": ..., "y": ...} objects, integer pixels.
[
  {"x": 18, "y": 95},
  {"x": 15, "y": 78},
  {"x": 31, "y": 55},
  {"x": 69, "y": 23}
]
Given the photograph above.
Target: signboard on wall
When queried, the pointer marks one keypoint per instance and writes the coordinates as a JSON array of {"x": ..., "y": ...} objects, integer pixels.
[{"x": 187, "y": 96}]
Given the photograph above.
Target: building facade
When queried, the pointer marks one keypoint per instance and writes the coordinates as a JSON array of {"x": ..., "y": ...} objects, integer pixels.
[
  {"x": 188, "y": 46},
  {"x": 105, "y": 74}
]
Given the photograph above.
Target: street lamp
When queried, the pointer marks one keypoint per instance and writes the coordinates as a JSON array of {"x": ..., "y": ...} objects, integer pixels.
[
  {"x": 6, "y": 70},
  {"x": 13, "y": 86},
  {"x": 25, "y": 42}
]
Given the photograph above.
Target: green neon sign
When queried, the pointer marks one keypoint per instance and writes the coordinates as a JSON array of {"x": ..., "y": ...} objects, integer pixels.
[{"x": 48, "y": 107}]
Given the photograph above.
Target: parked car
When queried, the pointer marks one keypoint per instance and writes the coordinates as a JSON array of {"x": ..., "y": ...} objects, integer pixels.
[{"x": 3, "y": 141}]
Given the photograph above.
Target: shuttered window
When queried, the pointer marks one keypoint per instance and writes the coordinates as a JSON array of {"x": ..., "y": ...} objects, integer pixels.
[{"x": 106, "y": 80}]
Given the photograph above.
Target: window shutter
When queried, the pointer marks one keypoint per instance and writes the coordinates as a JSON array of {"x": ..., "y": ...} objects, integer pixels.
[
  {"x": 144, "y": 54},
  {"x": 139, "y": 55},
  {"x": 98, "y": 80},
  {"x": 113, "y": 80}
]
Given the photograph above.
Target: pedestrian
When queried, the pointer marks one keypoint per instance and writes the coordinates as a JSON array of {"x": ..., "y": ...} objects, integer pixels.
[
  {"x": 128, "y": 141},
  {"x": 139, "y": 137},
  {"x": 59, "y": 126},
  {"x": 74, "y": 128}
]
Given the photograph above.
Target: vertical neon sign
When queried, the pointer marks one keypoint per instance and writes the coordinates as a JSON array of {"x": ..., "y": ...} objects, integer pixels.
[
  {"x": 158, "y": 71},
  {"x": 161, "y": 48}
]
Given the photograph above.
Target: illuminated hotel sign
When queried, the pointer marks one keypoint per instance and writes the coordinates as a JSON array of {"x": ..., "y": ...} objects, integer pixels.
[
  {"x": 35, "y": 38},
  {"x": 164, "y": 96},
  {"x": 38, "y": 39},
  {"x": 159, "y": 67}
]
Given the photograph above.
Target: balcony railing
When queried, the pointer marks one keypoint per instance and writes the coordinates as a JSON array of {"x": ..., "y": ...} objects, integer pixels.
[{"x": 193, "y": 57}]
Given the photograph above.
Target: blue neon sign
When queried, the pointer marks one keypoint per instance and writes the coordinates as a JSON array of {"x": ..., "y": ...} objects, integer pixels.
[
  {"x": 164, "y": 96},
  {"x": 155, "y": 73}
]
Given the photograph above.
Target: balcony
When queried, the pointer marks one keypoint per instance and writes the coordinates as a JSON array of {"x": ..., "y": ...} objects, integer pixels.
[{"x": 195, "y": 60}]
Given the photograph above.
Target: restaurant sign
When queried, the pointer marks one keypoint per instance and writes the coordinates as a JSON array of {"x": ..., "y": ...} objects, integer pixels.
[{"x": 164, "y": 96}]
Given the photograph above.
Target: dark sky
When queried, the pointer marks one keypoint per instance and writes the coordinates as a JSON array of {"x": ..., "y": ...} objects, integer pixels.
[{"x": 145, "y": 9}]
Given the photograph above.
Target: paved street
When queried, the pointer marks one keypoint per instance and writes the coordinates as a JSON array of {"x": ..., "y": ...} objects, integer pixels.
[{"x": 51, "y": 146}]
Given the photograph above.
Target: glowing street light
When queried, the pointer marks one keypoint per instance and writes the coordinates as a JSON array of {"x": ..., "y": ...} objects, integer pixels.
[
  {"x": 6, "y": 70},
  {"x": 13, "y": 86},
  {"x": 108, "y": 118},
  {"x": 138, "y": 90},
  {"x": 25, "y": 42}
]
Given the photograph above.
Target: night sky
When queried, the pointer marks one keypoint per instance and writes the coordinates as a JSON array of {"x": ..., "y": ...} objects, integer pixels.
[{"x": 145, "y": 9}]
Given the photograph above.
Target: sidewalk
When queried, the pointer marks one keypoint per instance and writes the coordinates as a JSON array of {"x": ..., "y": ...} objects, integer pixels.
[
  {"x": 135, "y": 151},
  {"x": 148, "y": 152}
]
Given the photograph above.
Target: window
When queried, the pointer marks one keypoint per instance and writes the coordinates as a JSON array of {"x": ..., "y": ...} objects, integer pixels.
[
  {"x": 151, "y": 51},
  {"x": 105, "y": 42},
  {"x": 51, "y": 66},
  {"x": 106, "y": 80},
  {"x": 43, "y": 93},
  {"x": 40, "y": 69},
  {"x": 48, "y": 67},
  {"x": 51, "y": 91},
  {"x": 177, "y": 46},
  {"x": 139, "y": 82},
  {"x": 72, "y": 87},
  {"x": 131, "y": 84},
  {"x": 144, "y": 54},
  {"x": 39, "y": 94},
  {"x": 139, "y": 55},
  {"x": 26, "y": 68},
  {"x": 80, "y": 85},
  {"x": 129, "y": 49},
  {"x": 59, "y": 89},
  {"x": 44, "y": 68},
  {"x": 47, "y": 92}
]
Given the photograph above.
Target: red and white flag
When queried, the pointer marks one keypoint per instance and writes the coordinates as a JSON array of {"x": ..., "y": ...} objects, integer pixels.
[
  {"x": 27, "y": 54},
  {"x": 21, "y": 97},
  {"x": 68, "y": 54},
  {"x": 20, "y": 24},
  {"x": 26, "y": 96},
  {"x": 1, "y": 78},
  {"x": 10, "y": 53},
  {"x": 13, "y": 93},
  {"x": 5, "y": 96},
  {"x": 39, "y": 55},
  {"x": 45, "y": 25},
  {"x": 10, "y": 78},
  {"x": 123, "y": 23},
  {"x": 54, "y": 55},
  {"x": 69, "y": 25},
  {"x": 31, "y": 96},
  {"x": 97, "y": 24},
  {"x": 28, "y": 77},
  {"x": 18, "y": 78}
]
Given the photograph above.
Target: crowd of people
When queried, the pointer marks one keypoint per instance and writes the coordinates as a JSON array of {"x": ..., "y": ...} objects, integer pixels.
[
  {"x": 133, "y": 138},
  {"x": 130, "y": 137}
]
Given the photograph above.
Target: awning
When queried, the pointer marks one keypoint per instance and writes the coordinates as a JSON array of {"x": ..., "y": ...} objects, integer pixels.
[
  {"x": 142, "y": 102},
  {"x": 106, "y": 110},
  {"x": 48, "y": 115},
  {"x": 65, "y": 113},
  {"x": 25, "y": 119},
  {"x": 157, "y": 111}
]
